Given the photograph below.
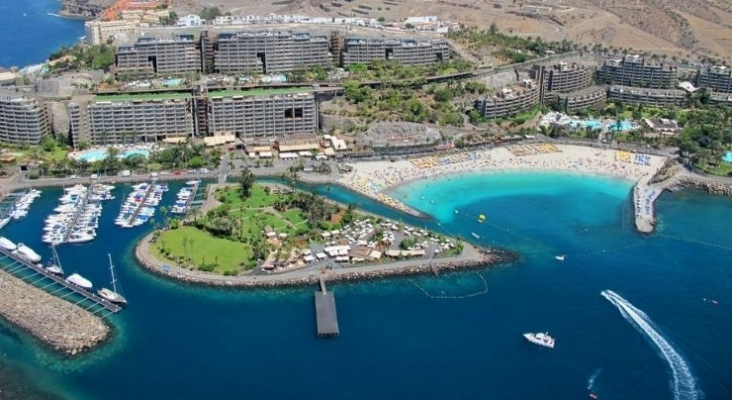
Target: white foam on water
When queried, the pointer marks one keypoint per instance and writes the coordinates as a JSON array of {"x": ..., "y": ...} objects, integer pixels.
[
  {"x": 593, "y": 378},
  {"x": 684, "y": 383}
]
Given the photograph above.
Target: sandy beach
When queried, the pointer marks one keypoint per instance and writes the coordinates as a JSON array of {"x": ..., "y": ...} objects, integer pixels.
[{"x": 374, "y": 178}]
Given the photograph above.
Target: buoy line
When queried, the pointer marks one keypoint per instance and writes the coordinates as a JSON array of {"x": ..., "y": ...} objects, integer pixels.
[{"x": 453, "y": 297}]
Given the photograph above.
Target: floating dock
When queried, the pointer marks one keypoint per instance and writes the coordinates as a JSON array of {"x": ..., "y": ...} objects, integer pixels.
[
  {"x": 325, "y": 312},
  {"x": 40, "y": 274}
]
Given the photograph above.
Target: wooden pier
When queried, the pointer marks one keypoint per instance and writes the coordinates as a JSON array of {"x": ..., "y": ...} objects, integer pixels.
[
  {"x": 17, "y": 263},
  {"x": 325, "y": 312}
]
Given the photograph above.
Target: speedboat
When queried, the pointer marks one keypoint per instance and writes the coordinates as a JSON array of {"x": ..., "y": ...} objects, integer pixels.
[
  {"x": 560, "y": 257},
  {"x": 4, "y": 222},
  {"x": 542, "y": 339},
  {"x": 475, "y": 235}
]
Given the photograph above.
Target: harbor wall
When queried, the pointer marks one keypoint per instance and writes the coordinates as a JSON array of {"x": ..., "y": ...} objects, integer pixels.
[{"x": 64, "y": 327}]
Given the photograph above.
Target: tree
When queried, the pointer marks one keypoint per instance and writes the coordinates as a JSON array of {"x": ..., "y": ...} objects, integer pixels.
[{"x": 246, "y": 181}]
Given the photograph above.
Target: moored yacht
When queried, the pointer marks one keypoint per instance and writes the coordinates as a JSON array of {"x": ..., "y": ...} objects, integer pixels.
[
  {"x": 112, "y": 295},
  {"x": 79, "y": 281},
  {"x": 27, "y": 253},
  {"x": 7, "y": 244}
]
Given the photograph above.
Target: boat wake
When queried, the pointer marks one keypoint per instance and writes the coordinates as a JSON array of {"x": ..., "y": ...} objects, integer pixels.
[
  {"x": 593, "y": 378},
  {"x": 54, "y": 15},
  {"x": 684, "y": 384}
]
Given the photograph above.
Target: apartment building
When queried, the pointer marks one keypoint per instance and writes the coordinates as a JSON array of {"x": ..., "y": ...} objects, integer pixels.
[
  {"x": 265, "y": 52},
  {"x": 721, "y": 99},
  {"x": 561, "y": 77},
  {"x": 150, "y": 56},
  {"x": 129, "y": 118},
  {"x": 633, "y": 70},
  {"x": 717, "y": 79},
  {"x": 99, "y": 32},
  {"x": 509, "y": 101},
  {"x": 262, "y": 113},
  {"x": 23, "y": 118},
  {"x": 406, "y": 51},
  {"x": 584, "y": 98},
  {"x": 650, "y": 97}
]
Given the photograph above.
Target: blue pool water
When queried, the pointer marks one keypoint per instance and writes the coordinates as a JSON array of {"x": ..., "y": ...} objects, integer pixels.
[
  {"x": 101, "y": 154},
  {"x": 183, "y": 342},
  {"x": 172, "y": 82},
  {"x": 592, "y": 124},
  {"x": 728, "y": 157},
  {"x": 623, "y": 126}
]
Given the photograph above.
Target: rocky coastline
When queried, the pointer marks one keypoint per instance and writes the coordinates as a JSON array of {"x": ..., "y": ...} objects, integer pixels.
[
  {"x": 60, "y": 325},
  {"x": 483, "y": 259},
  {"x": 84, "y": 9}
]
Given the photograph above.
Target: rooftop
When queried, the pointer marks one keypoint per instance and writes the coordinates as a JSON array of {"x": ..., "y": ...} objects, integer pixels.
[
  {"x": 141, "y": 96},
  {"x": 259, "y": 92}
]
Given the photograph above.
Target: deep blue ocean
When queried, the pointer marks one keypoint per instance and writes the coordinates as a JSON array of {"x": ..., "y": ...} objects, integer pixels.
[
  {"x": 397, "y": 341},
  {"x": 28, "y": 33}
]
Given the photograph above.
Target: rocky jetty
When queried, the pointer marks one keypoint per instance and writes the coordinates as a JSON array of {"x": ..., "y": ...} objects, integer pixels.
[
  {"x": 708, "y": 184},
  {"x": 63, "y": 326}
]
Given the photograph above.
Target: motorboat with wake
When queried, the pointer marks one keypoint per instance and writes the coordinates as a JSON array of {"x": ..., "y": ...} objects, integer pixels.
[
  {"x": 541, "y": 339},
  {"x": 560, "y": 257},
  {"x": 112, "y": 295}
]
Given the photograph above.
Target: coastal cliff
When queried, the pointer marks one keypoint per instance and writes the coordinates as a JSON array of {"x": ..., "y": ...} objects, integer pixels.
[
  {"x": 63, "y": 326},
  {"x": 87, "y": 9}
]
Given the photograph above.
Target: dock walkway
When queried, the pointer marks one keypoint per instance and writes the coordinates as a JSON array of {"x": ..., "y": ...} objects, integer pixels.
[
  {"x": 325, "y": 312},
  {"x": 18, "y": 263},
  {"x": 79, "y": 211}
]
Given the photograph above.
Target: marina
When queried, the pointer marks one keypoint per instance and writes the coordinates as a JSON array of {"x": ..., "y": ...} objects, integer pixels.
[
  {"x": 325, "y": 312},
  {"x": 16, "y": 206},
  {"x": 186, "y": 198},
  {"x": 38, "y": 276},
  {"x": 140, "y": 204},
  {"x": 76, "y": 217}
]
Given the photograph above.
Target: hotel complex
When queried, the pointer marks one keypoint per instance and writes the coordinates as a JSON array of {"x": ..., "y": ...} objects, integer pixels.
[
  {"x": 509, "y": 101},
  {"x": 23, "y": 118},
  {"x": 151, "y": 56},
  {"x": 128, "y": 118},
  {"x": 153, "y": 117},
  {"x": 561, "y": 77},
  {"x": 649, "y": 97},
  {"x": 633, "y": 70},
  {"x": 407, "y": 51},
  {"x": 261, "y": 114},
  {"x": 264, "y": 52},
  {"x": 717, "y": 79}
]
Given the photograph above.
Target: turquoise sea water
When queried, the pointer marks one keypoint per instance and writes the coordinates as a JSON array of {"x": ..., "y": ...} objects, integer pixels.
[
  {"x": 28, "y": 34},
  {"x": 183, "y": 342}
]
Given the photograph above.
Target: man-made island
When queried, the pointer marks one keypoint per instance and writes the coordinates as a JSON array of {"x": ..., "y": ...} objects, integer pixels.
[{"x": 253, "y": 235}]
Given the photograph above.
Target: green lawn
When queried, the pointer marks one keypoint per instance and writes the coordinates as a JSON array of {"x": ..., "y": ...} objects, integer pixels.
[
  {"x": 257, "y": 198},
  {"x": 203, "y": 248}
]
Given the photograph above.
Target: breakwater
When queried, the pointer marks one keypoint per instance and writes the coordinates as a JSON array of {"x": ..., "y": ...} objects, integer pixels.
[
  {"x": 713, "y": 185},
  {"x": 481, "y": 258},
  {"x": 65, "y": 327}
]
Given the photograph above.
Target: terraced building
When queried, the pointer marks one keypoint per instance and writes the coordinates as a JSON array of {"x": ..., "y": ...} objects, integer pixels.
[
  {"x": 261, "y": 113},
  {"x": 633, "y": 70},
  {"x": 407, "y": 51},
  {"x": 23, "y": 118},
  {"x": 265, "y": 52},
  {"x": 151, "y": 57},
  {"x": 129, "y": 118}
]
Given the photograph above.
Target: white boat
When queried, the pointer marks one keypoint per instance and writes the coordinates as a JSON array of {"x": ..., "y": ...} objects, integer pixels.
[
  {"x": 542, "y": 339},
  {"x": 79, "y": 281},
  {"x": 559, "y": 257},
  {"x": 28, "y": 253},
  {"x": 475, "y": 235},
  {"x": 7, "y": 244},
  {"x": 192, "y": 183},
  {"x": 4, "y": 222},
  {"x": 54, "y": 266},
  {"x": 108, "y": 294}
]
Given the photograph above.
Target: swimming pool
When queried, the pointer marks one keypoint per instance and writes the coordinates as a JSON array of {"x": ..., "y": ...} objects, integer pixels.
[
  {"x": 622, "y": 126},
  {"x": 592, "y": 124},
  {"x": 727, "y": 157},
  {"x": 100, "y": 154},
  {"x": 172, "y": 82}
]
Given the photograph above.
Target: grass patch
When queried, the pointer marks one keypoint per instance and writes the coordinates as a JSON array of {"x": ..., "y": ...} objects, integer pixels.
[{"x": 203, "y": 249}]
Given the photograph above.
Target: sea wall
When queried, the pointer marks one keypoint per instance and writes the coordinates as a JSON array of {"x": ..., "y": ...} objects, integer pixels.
[{"x": 65, "y": 327}]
